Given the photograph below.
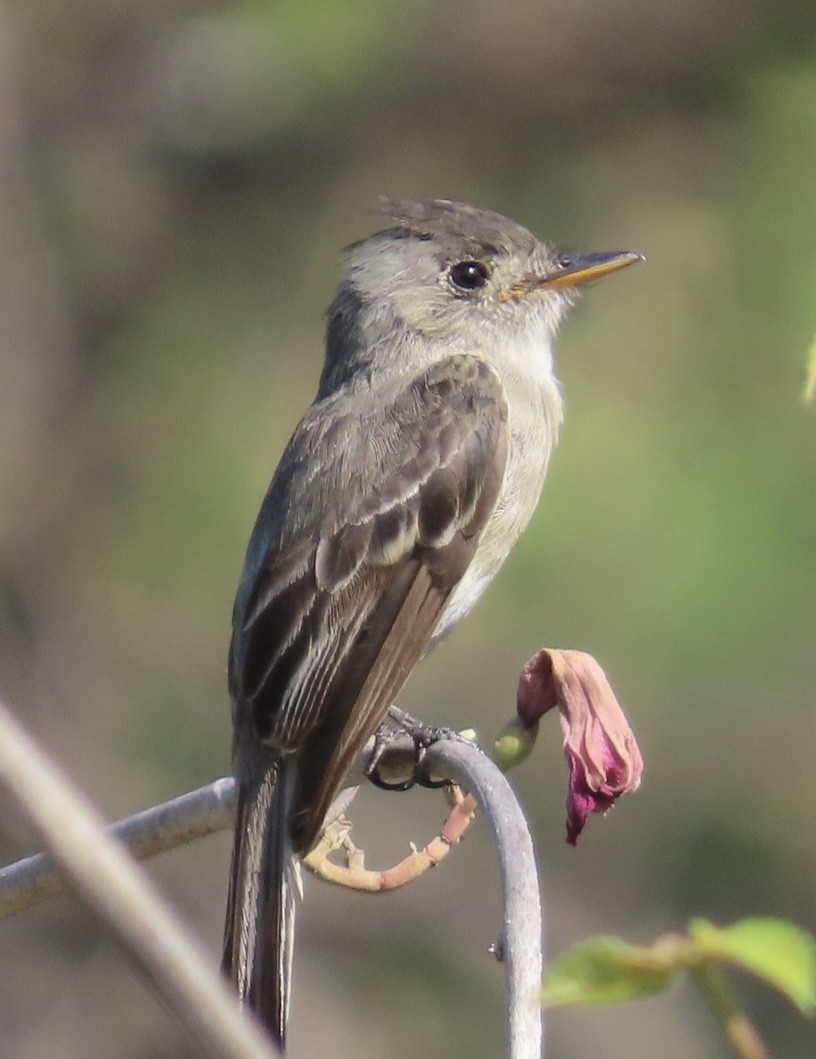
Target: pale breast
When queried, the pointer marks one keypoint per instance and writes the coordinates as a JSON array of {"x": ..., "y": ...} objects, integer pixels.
[{"x": 535, "y": 414}]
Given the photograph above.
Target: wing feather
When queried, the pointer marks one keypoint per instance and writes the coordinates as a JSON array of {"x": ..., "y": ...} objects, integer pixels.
[{"x": 368, "y": 526}]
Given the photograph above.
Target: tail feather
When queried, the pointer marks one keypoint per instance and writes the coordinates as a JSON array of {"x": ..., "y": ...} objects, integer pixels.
[{"x": 260, "y": 926}]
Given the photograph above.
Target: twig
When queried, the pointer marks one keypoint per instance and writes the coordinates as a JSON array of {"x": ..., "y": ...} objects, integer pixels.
[
  {"x": 105, "y": 877},
  {"x": 355, "y": 876},
  {"x": 739, "y": 1029},
  {"x": 35, "y": 879}
]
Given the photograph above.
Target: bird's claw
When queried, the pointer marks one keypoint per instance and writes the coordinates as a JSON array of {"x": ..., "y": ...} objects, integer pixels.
[{"x": 423, "y": 736}]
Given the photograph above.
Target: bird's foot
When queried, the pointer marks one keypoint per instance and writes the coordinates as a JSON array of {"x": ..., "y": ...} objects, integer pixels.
[{"x": 394, "y": 767}]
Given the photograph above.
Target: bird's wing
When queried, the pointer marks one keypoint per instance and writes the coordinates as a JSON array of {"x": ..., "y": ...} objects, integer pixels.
[{"x": 341, "y": 594}]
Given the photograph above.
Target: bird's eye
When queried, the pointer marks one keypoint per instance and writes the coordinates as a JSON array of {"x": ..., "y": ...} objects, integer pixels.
[
  {"x": 468, "y": 275},
  {"x": 563, "y": 261}
]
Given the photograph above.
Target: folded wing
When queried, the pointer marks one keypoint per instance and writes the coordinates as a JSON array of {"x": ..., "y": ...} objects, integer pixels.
[{"x": 368, "y": 526}]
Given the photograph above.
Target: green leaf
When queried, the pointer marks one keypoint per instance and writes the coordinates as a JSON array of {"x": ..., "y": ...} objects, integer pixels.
[
  {"x": 602, "y": 970},
  {"x": 778, "y": 952}
]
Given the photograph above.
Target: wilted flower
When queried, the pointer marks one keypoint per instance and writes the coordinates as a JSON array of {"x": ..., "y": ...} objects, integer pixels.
[{"x": 603, "y": 756}]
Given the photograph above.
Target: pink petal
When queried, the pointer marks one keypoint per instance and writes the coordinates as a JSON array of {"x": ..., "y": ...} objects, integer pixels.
[{"x": 601, "y": 750}]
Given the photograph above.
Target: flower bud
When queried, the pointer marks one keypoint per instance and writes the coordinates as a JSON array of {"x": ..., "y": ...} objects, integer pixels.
[{"x": 602, "y": 754}]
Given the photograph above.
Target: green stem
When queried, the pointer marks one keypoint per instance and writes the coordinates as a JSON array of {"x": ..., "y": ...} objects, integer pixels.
[{"x": 739, "y": 1030}]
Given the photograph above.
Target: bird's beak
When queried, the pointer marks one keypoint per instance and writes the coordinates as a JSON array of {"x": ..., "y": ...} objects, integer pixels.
[{"x": 573, "y": 271}]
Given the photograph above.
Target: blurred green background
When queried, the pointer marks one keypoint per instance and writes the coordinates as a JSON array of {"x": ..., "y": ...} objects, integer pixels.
[{"x": 176, "y": 180}]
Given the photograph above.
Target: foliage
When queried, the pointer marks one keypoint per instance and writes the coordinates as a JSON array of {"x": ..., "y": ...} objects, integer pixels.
[{"x": 607, "y": 970}]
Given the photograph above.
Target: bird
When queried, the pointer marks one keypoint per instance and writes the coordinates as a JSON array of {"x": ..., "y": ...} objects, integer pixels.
[{"x": 397, "y": 499}]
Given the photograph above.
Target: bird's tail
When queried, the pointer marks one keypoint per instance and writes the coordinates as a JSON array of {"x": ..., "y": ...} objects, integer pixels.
[{"x": 260, "y": 926}]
